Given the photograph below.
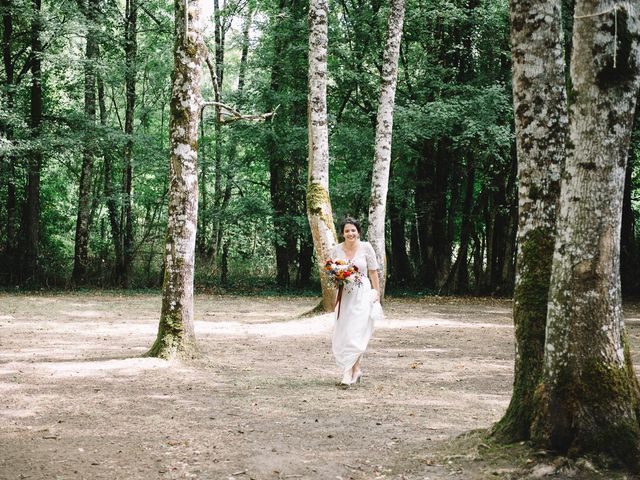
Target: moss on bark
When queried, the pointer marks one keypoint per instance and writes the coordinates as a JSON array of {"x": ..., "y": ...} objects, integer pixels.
[
  {"x": 591, "y": 410},
  {"x": 529, "y": 315},
  {"x": 317, "y": 198}
]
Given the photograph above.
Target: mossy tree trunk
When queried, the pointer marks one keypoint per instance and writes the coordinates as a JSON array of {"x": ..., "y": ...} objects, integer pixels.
[
  {"x": 318, "y": 202},
  {"x": 384, "y": 130},
  {"x": 176, "y": 335},
  {"x": 589, "y": 399},
  {"x": 540, "y": 125}
]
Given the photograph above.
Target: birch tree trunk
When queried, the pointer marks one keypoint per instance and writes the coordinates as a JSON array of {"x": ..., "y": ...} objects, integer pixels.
[
  {"x": 541, "y": 124},
  {"x": 80, "y": 257},
  {"x": 318, "y": 202},
  {"x": 384, "y": 130},
  {"x": 589, "y": 400},
  {"x": 175, "y": 334}
]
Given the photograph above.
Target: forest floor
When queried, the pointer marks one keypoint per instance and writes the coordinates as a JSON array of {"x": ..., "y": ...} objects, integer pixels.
[{"x": 78, "y": 400}]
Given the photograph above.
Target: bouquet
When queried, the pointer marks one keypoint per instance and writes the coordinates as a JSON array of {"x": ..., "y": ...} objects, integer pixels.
[{"x": 341, "y": 274}]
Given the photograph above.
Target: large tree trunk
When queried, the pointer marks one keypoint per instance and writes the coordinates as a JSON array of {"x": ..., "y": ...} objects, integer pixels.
[
  {"x": 126, "y": 220},
  {"x": 318, "y": 202},
  {"x": 589, "y": 400},
  {"x": 540, "y": 119},
  {"x": 31, "y": 221},
  {"x": 384, "y": 130},
  {"x": 80, "y": 257},
  {"x": 176, "y": 336}
]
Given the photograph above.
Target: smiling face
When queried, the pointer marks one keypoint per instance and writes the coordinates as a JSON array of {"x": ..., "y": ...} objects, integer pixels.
[{"x": 350, "y": 232}]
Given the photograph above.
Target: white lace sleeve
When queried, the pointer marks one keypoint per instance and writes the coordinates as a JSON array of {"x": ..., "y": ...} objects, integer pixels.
[{"x": 370, "y": 254}]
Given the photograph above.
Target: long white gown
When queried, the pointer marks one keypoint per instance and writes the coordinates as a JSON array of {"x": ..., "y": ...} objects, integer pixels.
[{"x": 358, "y": 312}]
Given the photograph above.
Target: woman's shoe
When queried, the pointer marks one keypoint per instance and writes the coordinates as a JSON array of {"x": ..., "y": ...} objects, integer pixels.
[
  {"x": 346, "y": 378},
  {"x": 357, "y": 377}
]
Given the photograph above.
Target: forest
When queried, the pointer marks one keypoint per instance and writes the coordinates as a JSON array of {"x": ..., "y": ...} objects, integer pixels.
[
  {"x": 216, "y": 145},
  {"x": 85, "y": 148}
]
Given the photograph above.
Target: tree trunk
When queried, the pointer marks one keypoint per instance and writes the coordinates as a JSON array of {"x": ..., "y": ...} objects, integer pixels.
[
  {"x": 216, "y": 212},
  {"x": 126, "y": 220},
  {"x": 318, "y": 202},
  {"x": 109, "y": 191},
  {"x": 176, "y": 336},
  {"x": 31, "y": 222},
  {"x": 80, "y": 257},
  {"x": 305, "y": 260},
  {"x": 460, "y": 270},
  {"x": 540, "y": 120},
  {"x": 628, "y": 242},
  {"x": 9, "y": 158},
  {"x": 400, "y": 272},
  {"x": 509, "y": 264},
  {"x": 384, "y": 130},
  {"x": 245, "y": 47},
  {"x": 433, "y": 173},
  {"x": 286, "y": 160},
  {"x": 589, "y": 400}
]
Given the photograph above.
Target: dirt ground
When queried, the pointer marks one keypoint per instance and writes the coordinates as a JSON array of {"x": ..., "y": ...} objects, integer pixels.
[{"x": 77, "y": 400}]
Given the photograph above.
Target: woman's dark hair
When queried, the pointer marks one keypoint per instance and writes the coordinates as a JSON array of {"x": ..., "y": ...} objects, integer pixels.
[{"x": 348, "y": 221}]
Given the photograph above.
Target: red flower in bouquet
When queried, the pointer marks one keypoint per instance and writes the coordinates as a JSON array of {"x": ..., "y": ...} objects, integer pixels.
[{"x": 340, "y": 274}]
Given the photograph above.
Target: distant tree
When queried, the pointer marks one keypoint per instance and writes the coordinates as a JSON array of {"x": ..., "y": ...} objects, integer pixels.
[
  {"x": 176, "y": 335},
  {"x": 123, "y": 270},
  {"x": 83, "y": 221},
  {"x": 31, "y": 215}
]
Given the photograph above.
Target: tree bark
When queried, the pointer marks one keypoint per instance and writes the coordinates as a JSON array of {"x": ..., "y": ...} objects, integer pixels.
[
  {"x": 541, "y": 123},
  {"x": 319, "y": 209},
  {"x": 80, "y": 257},
  {"x": 384, "y": 130},
  {"x": 176, "y": 336},
  {"x": 31, "y": 221},
  {"x": 589, "y": 399}
]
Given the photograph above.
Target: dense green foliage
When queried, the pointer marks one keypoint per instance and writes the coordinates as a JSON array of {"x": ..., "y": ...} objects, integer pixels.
[{"x": 452, "y": 200}]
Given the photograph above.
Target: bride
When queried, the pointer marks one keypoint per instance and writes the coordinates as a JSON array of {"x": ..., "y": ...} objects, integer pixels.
[{"x": 359, "y": 306}]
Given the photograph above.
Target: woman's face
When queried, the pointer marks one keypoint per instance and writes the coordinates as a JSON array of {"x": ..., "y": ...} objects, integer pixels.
[{"x": 350, "y": 232}]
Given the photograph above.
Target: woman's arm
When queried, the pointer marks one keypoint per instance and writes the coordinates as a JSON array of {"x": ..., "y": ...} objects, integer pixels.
[{"x": 375, "y": 282}]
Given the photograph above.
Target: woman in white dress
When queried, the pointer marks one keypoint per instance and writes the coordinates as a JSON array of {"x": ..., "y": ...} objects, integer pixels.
[{"x": 359, "y": 306}]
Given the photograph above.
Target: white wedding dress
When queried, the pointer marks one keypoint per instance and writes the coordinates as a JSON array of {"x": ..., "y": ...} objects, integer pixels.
[{"x": 358, "y": 311}]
